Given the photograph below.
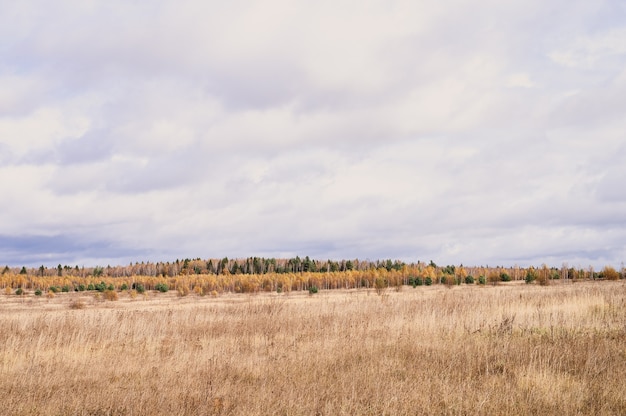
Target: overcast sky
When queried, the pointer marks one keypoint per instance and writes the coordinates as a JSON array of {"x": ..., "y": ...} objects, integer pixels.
[{"x": 475, "y": 132}]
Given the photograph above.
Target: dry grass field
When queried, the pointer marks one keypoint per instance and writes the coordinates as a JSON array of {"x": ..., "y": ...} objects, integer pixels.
[{"x": 510, "y": 349}]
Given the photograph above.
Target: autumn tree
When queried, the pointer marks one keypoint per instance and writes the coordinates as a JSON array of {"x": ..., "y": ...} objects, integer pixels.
[{"x": 609, "y": 273}]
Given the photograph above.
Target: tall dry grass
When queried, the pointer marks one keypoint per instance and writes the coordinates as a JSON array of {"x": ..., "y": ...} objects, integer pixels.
[{"x": 507, "y": 349}]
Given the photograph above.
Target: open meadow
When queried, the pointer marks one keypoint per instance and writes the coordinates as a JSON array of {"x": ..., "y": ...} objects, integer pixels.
[{"x": 511, "y": 349}]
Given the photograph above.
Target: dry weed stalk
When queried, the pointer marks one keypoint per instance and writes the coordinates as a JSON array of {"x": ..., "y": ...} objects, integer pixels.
[{"x": 508, "y": 349}]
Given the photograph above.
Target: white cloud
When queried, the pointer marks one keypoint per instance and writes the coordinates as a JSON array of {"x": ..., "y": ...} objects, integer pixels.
[
  {"x": 458, "y": 131},
  {"x": 588, "y": 51}
]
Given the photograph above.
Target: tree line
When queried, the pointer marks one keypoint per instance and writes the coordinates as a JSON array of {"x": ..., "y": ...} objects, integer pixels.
[
  {"x": 256, "y": 274},
  {"x": 250, "y": 265}
]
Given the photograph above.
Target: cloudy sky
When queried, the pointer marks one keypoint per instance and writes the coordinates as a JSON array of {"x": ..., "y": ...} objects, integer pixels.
[{"x": 475, "y": 132}]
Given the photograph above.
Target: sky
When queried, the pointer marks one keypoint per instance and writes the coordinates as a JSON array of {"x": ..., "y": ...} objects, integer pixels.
[{"x": 463, "y": 132}]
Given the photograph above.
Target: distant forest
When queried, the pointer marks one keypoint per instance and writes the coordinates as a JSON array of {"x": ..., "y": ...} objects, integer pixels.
[
  {"x": 256, "y": 274},
  {"x": 250, "y": 265},
  {"x": 262, "y": 266}
]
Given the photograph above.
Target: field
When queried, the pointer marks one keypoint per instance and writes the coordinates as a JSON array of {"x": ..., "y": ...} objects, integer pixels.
[{"x": 506, "y": 349}]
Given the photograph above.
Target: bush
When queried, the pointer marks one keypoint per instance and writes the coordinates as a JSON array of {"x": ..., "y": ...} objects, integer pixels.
[
  {"x": 110, "y": 295},
  {"x": 91, "y": 287},
  {"x": 469, "y": 280},
  {"x": 493, "y": 278},
  {"x": 183, "y": 290},
  {"x": 65, "y": 289},
  {"x": 38, "y": 292},
  {"x": 380, "y": 285},
  {"x": 505, "y": 277},
  {"x": 312, "y": 290},
  {"x": 101, "y": 287},
  {"x": 531, "y": 276},
  {"x": 482, "y": 280},
  {"x": 609, "y": 273},
  {"x": 428, "y": 281},
  {"x": 139, "y": 287},
  {"x": 81, "y": 287},
  {"x": 53, "y": 289},
  {"x": 77, "y": 304},
  {"x": 543, "y": 279},
  {"x": 19, "y": 291},
  {"x": 111, "y": 287},
  {"x": 124, "y": 286},
  {"x": 161, "y": 287}
]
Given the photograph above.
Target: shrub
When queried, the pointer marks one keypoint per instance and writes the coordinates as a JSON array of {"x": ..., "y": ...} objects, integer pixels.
[
  {"x": 77, "y": 304},
  {"x": 91, "y": 287},
  {"x": 493, "y": 278},
  {"x": 610, "y": 273},
  {"x": 380, "y": 285},
  {"x": 505, "y": 277},
  {"x": 543, "y": 279},
  {"x": 531, "y": 276},
  {"x": 183, "y": 290},
  {"x": 428, "y": 281},
  {"x": 81, "y": 287},
  {"x": 469, "y": 280},
  {"x": 101, "y": 287},
  {"x": 111, "y": 287},
  {"x": 139, "y": 287},
  {"x": 19, "y": 291},
  {"x": 162, "y": 287},
  {"x": 38, "y": 292},
  {"x": 65, "y": 289},
  {"x": 312, "y": 290},
  {"x": 482, "y": 280},
  {"x": 50, "y": 294},
  {"x": 419, "y": 281},
  {"x": 110, "y": 295},
  {"x": 124, "y": 286}
]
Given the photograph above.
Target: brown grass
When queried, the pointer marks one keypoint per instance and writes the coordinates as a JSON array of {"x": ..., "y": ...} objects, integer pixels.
[{"x": 509, "y": 349}]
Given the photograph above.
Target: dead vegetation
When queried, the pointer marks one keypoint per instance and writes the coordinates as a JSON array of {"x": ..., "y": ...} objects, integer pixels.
[{"x": 507, "y": 349}]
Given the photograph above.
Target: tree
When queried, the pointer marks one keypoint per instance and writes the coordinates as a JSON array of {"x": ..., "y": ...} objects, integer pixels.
[
  {"x": 59, "y": 270},
  {"x": 23, "y": 270},
  {"x": 223, "y": 265},
  {"x": 531, "y": 275},
  {"x": 349, "y": 265},
  {"x": 609, "y": 273}
]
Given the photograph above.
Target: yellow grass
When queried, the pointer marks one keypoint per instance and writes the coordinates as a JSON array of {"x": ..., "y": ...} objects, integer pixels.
[{"x": 510, "y": 349}]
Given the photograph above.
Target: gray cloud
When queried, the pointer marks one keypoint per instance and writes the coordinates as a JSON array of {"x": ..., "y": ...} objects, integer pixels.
[
  {"x": 397, "y": 130},
  {"x": 34, "y": 250}
]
